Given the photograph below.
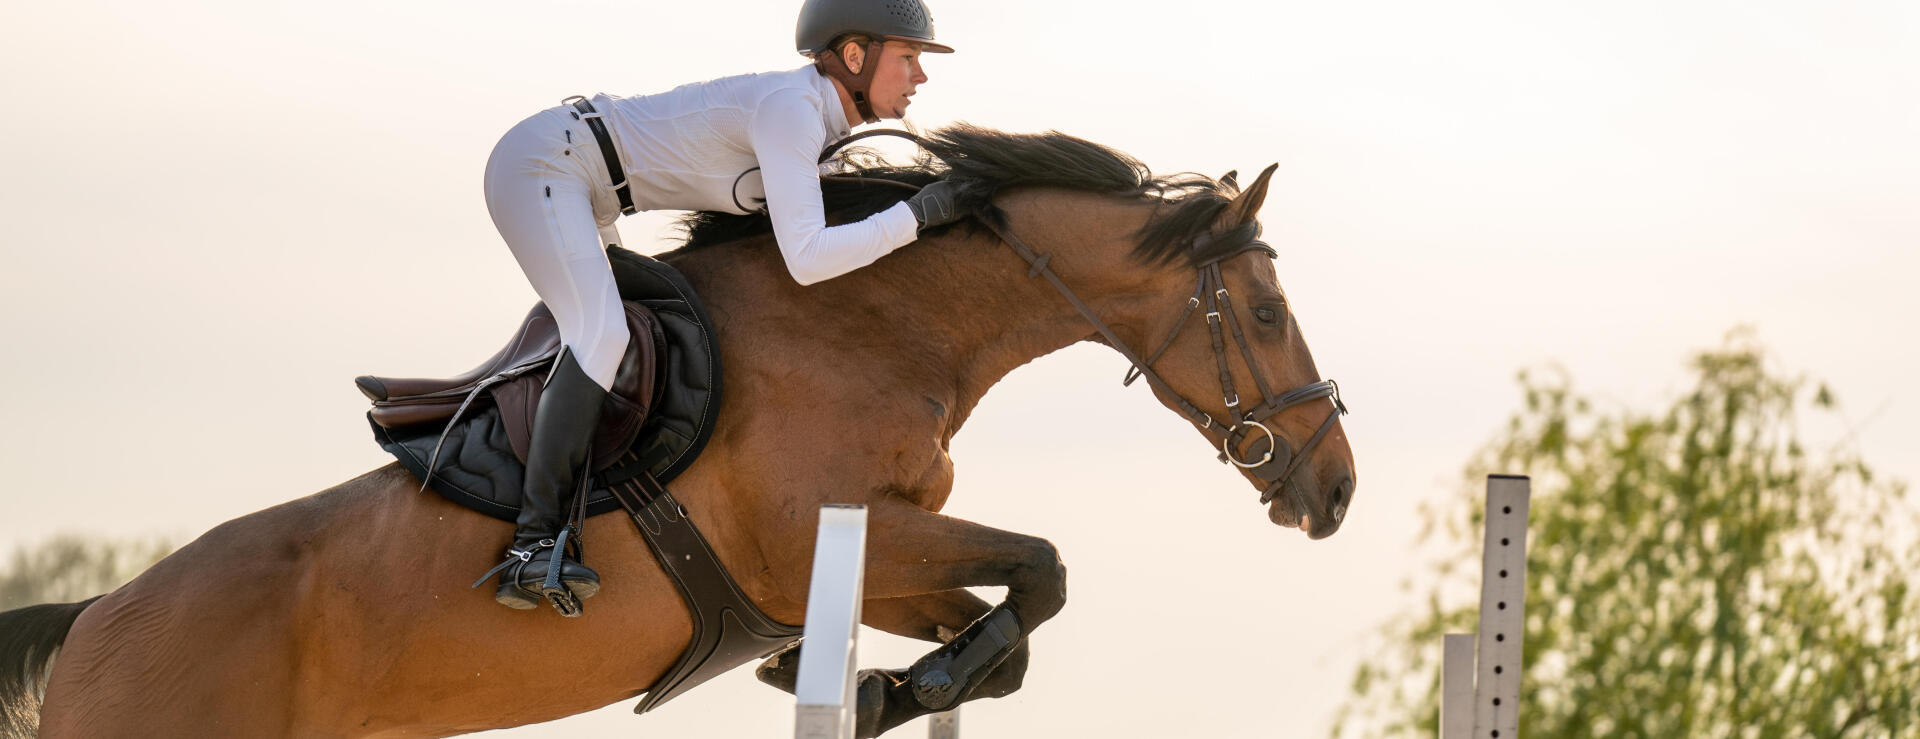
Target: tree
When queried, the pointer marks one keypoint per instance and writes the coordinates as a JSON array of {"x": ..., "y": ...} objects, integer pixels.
[
  {"x": 71, "y": 567},
  {"x": 1696, "y": 572}
]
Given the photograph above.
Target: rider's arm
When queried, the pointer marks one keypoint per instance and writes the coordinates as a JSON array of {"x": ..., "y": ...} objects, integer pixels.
[{"x": 785, "y": 140}]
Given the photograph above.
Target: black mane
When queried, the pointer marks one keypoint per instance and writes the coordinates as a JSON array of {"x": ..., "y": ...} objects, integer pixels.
[{"x": 986, "y": 162}]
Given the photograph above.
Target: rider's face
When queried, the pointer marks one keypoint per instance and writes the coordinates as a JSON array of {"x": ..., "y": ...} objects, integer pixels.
[{"x": 895, "y": 80}]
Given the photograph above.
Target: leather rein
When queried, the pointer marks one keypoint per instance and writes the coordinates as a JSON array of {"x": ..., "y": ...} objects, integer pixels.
[{"x": 1209, "y": 289}]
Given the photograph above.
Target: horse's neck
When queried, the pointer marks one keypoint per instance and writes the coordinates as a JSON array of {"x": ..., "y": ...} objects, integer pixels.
[
  {"x": 986, "y": 316},
  {"x": 960, "y": 305}
]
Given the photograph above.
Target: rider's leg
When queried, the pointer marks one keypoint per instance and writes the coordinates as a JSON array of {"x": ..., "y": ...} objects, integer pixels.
[
  {"x": 610, "y": 235},
  {"x": 542, "y": 203}
]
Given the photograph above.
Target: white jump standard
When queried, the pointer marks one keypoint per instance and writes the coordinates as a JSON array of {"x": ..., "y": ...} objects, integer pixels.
[
  {"x": 1481, "y": 698},
  {"x": 830, "y": 647}
]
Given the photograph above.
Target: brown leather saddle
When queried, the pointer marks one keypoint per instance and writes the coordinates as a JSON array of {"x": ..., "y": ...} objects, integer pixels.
[
  {"x": 514, "y": 378},
  {"x": 668, "y": 394}
]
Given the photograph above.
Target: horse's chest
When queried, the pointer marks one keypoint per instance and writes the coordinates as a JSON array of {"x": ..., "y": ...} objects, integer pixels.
[
  {"x": 905, "y": 459},
  {"x": 817, "y": 427},
  {"x": 911, "y": 463}
]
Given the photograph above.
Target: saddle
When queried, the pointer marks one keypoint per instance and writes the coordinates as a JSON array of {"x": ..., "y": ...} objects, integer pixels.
[
  {"x": 514, "y": 377},
  {"x": 458, "y": 435}
]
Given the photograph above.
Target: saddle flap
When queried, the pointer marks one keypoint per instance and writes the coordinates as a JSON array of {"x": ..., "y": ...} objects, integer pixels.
[{"x": 622, "y": 413}]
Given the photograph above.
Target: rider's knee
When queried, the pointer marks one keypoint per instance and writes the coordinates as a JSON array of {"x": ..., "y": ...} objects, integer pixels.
[{"x": 601, "y": 352}]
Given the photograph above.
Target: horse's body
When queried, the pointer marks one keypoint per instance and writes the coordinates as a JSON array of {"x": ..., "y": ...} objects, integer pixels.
[{"x": 348, "y": 612}]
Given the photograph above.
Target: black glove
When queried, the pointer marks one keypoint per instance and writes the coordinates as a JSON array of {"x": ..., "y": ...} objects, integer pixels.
[{"x": 936, "y": 204}]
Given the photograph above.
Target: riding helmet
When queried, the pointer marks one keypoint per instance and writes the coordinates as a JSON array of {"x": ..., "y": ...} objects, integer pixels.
[{"x": 822, "y": 21}]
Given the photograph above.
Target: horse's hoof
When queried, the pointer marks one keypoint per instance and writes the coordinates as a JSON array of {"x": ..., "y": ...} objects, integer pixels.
[
  {"x": 935, "y": 689},
  {"x": 780, "y": 670},
  {"x": 870, "y": 703}
]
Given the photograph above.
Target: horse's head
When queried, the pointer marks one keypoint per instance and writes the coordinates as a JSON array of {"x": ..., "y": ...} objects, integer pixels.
[
  {"x": 1229, "y": 356},
  {"x": 1198, "y": 310}
]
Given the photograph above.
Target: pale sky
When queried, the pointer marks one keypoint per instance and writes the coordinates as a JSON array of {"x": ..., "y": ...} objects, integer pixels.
[{"x": 213, "y": 215}]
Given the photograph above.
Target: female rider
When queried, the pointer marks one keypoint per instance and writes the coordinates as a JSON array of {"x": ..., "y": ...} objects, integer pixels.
[{"x": 557, "y": 181}]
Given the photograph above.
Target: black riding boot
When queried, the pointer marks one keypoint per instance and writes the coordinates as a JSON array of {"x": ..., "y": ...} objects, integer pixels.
[{"x": 563, "y": 428}]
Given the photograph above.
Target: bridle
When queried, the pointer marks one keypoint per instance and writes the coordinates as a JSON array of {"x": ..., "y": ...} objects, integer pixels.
[{"x": 1209, "y": 287}]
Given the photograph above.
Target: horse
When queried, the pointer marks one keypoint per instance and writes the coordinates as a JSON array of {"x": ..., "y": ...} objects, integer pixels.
[{"x": 348, "y": 613}]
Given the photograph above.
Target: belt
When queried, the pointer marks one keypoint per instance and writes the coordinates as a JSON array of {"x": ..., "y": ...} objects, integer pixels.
[{"x": 583, "y": 110}]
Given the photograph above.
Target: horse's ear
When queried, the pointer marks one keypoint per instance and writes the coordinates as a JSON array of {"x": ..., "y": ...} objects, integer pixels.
[
  {"x": 1247, "y": 204},
  {"x": 1231, "y": 179}
]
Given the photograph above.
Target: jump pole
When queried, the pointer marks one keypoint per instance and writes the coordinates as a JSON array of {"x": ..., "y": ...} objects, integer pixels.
[
  {"x": 1480, "y": 697},
  {"x": 829, "y": 652}
]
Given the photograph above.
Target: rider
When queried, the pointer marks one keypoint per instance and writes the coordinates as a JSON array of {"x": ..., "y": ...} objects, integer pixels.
[{"x": 557, "y": 181}]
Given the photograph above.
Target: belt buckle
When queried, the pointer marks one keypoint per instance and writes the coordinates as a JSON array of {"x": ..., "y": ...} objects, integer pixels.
[{"x": 580, "y": 103}]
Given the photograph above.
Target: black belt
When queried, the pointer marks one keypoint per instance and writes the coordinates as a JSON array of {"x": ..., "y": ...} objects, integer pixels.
[{"x": 584, "y": 111}]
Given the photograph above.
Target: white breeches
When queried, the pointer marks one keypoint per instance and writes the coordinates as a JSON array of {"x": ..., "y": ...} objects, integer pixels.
[{"x": 547, "y": 194}]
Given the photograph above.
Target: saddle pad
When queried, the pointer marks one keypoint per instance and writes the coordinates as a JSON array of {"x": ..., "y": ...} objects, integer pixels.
[{"x": 476, "y": 466}]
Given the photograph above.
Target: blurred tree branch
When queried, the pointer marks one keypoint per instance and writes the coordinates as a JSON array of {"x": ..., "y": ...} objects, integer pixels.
[
  {"x": 1692, "y": 572},
  {"x": 73, "y": 567}
]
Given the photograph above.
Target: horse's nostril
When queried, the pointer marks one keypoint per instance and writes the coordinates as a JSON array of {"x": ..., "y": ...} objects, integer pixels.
[{"x": 1337, "y": 500}]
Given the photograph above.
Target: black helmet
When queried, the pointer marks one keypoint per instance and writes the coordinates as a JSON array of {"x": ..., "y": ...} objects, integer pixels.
[{"x": 822, "y": 21}]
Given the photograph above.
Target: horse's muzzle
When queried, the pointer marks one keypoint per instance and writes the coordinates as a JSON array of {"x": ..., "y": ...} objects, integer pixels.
[{"x": 1317, "y": 518}]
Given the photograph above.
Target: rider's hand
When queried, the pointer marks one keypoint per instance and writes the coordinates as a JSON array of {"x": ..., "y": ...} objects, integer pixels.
[{"x": 937, "y": 204}]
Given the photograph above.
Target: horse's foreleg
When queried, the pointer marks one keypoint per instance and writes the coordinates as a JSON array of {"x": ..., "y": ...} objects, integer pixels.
[
  {"x": 914, "y": 552},
  {"x": 939, "y": 618},
  {"x": 934, "y": 617}
]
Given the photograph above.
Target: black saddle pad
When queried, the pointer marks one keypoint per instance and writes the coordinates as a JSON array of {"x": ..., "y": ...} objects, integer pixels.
[{"x": 477, "y": 468}]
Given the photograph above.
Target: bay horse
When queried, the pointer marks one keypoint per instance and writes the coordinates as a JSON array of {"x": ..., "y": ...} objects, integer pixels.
[{"x": 347, "y": 612}]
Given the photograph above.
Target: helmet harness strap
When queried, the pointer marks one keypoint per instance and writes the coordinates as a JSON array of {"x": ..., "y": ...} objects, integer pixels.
[{"x": 832, "y": 65}]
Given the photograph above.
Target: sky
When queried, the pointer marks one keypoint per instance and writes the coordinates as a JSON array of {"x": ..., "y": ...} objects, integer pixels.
[{"x": 214, "y": 214}]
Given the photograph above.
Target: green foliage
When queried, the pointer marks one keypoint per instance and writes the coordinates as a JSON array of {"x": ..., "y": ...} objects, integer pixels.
[
  {"x": 70, "y": 568},
  {"x": 1697, "y": 572}
]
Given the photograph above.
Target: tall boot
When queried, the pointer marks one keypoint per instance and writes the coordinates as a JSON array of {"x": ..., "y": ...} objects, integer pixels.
[{"x": 538, "y": 564}]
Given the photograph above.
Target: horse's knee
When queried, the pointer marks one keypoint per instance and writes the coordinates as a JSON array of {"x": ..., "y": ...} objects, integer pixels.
[{"x": 1039, "y": 584}]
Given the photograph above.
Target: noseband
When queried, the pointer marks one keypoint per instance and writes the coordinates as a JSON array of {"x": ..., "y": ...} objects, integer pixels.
[{"x": 1211, "y": 287}]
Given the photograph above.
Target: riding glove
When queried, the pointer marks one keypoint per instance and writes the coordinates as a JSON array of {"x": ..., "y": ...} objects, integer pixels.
[{"x": 937, "y": 204}]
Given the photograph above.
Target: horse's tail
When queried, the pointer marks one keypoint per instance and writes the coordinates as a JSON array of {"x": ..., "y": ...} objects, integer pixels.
[{"x": 29, "y": 638}]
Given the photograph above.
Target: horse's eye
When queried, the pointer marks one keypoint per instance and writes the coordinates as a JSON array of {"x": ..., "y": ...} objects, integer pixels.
[{"x": 1267, "y": 315}]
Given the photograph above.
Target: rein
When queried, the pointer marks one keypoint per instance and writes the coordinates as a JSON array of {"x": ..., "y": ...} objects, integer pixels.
[{"x": 1209, "y": 286}]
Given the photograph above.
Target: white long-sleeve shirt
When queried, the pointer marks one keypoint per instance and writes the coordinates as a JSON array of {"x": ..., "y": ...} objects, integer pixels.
[{"x": 684, "y": 149}]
